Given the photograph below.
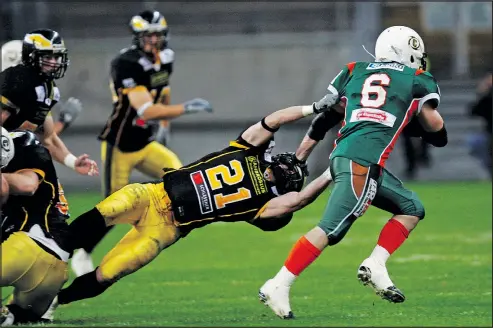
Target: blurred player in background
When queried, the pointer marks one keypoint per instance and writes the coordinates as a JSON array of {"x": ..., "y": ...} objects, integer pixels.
[
  {"x": 480, "y": 142},
  {"x": 378, "y": 99},
  {"x": 28, "y": 93},
  {"x": 141, "y": 97},
  {"x": 241, "y": 182},
  {"x": 34, "y": 245},
  {"x": 12, "y": 56}
]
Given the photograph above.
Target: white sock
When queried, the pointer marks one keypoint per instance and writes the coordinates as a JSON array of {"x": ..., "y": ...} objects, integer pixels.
[
  {"x": 285, "y": 277},
  {"x": 380, "y": 254}
]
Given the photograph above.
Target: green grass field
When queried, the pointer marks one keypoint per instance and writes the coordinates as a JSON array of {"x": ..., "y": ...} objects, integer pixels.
[{"x": 211, "y": 277}]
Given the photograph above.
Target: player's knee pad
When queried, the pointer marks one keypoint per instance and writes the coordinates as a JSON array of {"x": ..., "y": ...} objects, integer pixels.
[
  {"x": 133, "y": 258},
  {"x": 414, "y": 207},
  {"x": 147, "y": 250}
]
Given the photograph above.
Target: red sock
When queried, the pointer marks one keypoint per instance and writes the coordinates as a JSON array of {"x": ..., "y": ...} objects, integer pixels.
[
  {"x": 392, "y": 235},
  {"x": 301, "y": 256}
]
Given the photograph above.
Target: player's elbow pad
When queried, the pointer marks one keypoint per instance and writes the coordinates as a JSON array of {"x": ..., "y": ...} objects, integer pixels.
[
  {"x": 324, "y": 122},
  {"x": 438, "y": 138}
]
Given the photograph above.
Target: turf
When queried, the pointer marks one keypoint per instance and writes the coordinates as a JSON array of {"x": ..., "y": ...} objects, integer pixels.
[{"x": 211, "y": 277}]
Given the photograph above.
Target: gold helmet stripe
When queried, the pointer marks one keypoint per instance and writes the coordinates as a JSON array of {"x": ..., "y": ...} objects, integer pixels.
[{"x": 39, "y": 41}]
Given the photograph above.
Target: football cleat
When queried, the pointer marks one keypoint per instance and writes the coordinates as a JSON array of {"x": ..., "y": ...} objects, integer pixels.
[
  {"x": 82, "y": 262},
  {"x": 6, "y": 317},
  {"x": 49, "y": 315},
  {"x": 276, "y": 296},
  {"x": 375, "y": 275}
]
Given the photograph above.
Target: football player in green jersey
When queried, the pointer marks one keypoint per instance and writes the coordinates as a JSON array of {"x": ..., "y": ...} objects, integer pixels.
[{"x": 376, "y": 101}]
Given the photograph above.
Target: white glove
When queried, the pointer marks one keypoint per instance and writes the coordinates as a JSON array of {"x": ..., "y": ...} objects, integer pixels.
[
  {"x": 197, "y": 105},
  {"x": 163, "y": 135},
  {"x": 325, "y": 103}
]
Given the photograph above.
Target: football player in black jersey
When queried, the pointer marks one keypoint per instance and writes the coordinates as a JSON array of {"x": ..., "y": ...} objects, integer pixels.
[
  {"x": 141, "y": 97},
  {"x": 34, "y": 232},
  {"x": 70, "y": 109},
  {"x": 28, "y": 92},
  {"x": 242, "y": 182}
]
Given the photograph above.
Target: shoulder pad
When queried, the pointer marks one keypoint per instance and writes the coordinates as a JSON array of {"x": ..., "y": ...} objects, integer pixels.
[
  {"x": 425, "y": 75},
  {"x": 167, "y": 56},
  {"x": 350, "y": 66},
  {"x": 24, "y": 138},
  {"x": 128, "y": 54},
  {"x": 124, "y": 50}
]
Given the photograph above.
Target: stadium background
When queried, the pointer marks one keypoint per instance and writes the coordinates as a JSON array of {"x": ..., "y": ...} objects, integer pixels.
[{"x": 249, "y": 59}]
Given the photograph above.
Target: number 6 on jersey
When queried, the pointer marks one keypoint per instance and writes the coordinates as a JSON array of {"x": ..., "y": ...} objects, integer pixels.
[{"x": 375, "y": 89}]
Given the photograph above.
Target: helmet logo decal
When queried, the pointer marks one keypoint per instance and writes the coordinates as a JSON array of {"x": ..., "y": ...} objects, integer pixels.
[
  {"x": 414, "y": 43},
  {"x": 39, "y": 41},
  {"x": 138, "y": 23},
  {"x": 5, "y": 143}
]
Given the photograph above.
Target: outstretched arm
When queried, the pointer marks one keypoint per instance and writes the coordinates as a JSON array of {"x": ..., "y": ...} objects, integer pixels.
[
  {"x": 262, "y": 131},
  {"x": 321, "y": 124},
  {"x": 294, "y": 201},
  {"x": 60, "y": 153},
  {"x": 24, "y": 182}
]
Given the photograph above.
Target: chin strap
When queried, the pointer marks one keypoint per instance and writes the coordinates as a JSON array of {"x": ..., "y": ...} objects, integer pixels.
[{"x": 369, "y": 52}]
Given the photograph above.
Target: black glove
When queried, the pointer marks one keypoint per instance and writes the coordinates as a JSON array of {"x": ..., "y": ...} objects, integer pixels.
[{"x": 300, "y": 163}]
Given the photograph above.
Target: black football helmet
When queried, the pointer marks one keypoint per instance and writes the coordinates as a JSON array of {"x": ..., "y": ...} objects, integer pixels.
[
  {"x": 288, "y": 173},
  {"x": 41, "y": 44},
  {"x": 147, "y": 23}
]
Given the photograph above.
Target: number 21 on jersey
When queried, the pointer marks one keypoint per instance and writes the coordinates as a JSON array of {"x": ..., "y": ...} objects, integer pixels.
[{"x": 229, "y": 178}]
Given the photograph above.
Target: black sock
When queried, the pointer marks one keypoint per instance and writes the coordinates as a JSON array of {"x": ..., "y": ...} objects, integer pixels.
[
  {"x": 85, "y": 230},
  {"x": 96, "y": 237},
  {"x": 85, "y": 286}
]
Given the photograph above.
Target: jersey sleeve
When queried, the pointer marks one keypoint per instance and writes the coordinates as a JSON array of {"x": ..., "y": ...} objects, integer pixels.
[
  {"x": 425, "y": 88},
  {"x": 10, "y": 94},
  {"x": 241, "y": 143},
  {"x": 127, "y": 74},
  {"x": 338, "y": 84},
  {"x": 40, "y": 159},
  {"x": 35, "y": 156}
]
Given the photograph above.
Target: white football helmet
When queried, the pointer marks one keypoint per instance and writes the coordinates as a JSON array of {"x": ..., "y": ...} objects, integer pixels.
[
  {"x": 403, "y": 45},
  {"x": 11, "y": 54},
  {"x": 8, "y": 150}
]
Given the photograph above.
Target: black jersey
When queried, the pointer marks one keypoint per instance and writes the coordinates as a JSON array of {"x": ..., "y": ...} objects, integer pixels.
[
  {"x": 27, "y": 96},
  {"x": 132, "y": 68},
  {"x": 41, "y": 210},
  {"x": 228, "y": 185}
]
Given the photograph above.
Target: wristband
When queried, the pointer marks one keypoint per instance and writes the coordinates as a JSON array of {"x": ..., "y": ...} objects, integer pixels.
[
  {"x": 143, "y": 108},
  {"x": 69, "y": 161},
  {"x": 327, "y": 174},
  {"x": 307, "y": 110}
]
